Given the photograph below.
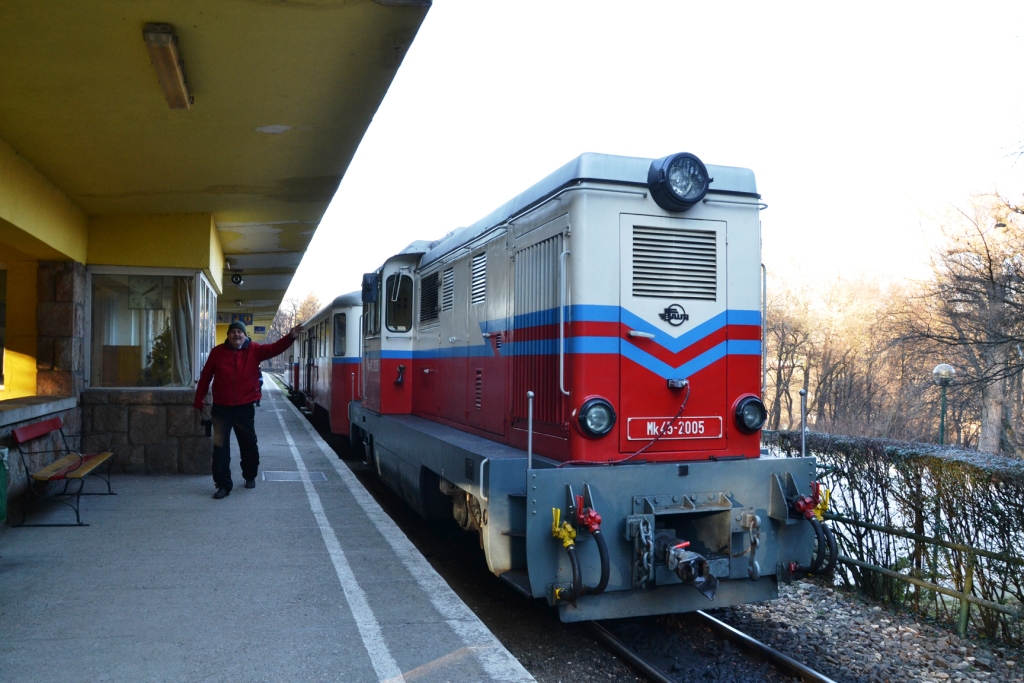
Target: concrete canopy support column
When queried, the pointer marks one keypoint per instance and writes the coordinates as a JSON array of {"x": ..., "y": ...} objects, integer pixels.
[{"x": 60, "y": 360}]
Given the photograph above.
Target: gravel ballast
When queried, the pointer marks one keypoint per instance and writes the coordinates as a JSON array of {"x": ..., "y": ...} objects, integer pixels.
[{"x": 848, "y": 638}]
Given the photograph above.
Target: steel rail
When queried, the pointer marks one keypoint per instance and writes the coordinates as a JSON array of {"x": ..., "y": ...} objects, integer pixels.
[
  {"x": 652, "y": 672},
  {"x": 805, "y": 673},
  {"x": 656, "y": 675}
]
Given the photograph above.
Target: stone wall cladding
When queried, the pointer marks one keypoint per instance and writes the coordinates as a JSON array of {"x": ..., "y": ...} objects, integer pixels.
[
  {"x": 60, "y": 323},
  {"x": 152, "y": 431}
]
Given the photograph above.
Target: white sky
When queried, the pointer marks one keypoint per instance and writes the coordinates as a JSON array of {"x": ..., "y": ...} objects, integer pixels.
[{"x": 859, "y": 123}]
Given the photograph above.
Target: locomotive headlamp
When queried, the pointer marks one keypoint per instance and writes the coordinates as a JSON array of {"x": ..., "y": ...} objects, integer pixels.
[
  {"x": 597, "y": 417},
  {"x": 750, "y": 414},
  {"x": 678, "y": 181}
]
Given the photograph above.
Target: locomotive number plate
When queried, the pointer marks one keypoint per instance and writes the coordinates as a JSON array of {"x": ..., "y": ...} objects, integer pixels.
[{"x": 647, "y": 428}]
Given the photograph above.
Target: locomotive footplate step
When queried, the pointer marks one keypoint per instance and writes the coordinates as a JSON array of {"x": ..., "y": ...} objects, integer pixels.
[{"x": 302, "y": 581}]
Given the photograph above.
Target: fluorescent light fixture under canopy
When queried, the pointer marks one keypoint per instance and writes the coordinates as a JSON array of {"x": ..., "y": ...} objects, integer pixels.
[{"x": 163, "y": 51}]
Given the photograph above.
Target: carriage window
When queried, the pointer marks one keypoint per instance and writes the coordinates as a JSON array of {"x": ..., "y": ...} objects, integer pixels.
[
  {"x": 398, "y": 302},
  {"x": 428, "y": 297},
  {"x": 339, "y": 334}
]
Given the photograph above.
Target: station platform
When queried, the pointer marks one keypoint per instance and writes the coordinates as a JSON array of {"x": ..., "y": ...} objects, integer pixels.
[{"x": 301, "y": 579}]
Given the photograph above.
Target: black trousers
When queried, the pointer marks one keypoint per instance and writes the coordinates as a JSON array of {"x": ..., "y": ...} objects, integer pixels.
[{"x": 241, "y": 419}]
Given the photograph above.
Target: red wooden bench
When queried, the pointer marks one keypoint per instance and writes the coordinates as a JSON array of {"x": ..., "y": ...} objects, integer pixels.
[{"x": 70, "y": 466}]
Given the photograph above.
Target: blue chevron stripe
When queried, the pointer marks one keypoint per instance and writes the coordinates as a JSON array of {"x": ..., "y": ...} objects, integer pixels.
[
  {"x": 603, "y": 344},
  {"x": 614, "y": 314}
]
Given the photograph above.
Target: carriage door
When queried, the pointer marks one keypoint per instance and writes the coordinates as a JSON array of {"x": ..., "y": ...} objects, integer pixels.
[
  {"x": 485, "y": 372},
  {"x": 435, "y": 289},
  {"x": 672, "y": 307},
  {"x": 372, "y": 348},
  {"x": 310, "y": 353},
  {"x": 534, "y": 336}
]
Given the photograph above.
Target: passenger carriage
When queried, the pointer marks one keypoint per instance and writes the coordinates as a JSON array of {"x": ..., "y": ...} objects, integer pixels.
[{"x": 323, "y": 363}]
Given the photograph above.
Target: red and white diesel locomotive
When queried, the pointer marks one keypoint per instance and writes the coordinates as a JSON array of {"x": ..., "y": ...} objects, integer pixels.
[{"x": 577, "y": 378}]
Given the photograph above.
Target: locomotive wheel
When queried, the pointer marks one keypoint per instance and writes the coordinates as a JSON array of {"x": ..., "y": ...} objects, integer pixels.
[
  {"x": 355, "y": 440},
  {"x": 460, "y": 513},
  {"x": 466, "y": 510}
]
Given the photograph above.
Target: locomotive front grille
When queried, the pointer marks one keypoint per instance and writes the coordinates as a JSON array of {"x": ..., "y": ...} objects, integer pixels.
[{"x": 675, "y": 263}]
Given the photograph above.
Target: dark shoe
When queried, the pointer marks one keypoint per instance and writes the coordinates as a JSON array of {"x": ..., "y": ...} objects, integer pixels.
[
  {"x": 221, "y": 493},
  {"x": 250, "y": 483}
]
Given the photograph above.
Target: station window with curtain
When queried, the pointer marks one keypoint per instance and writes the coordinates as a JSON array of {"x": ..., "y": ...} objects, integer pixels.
[
  {"x": 206, "y": 326},
  {"x": 149, "y": 329}
]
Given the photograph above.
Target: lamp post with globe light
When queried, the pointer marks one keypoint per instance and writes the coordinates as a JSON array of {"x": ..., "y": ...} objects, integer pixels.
[{"x": 943, "y": 375}]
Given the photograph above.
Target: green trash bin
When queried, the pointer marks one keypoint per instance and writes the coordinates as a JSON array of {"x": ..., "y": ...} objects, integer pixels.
[{"x": 4, "y": 479}]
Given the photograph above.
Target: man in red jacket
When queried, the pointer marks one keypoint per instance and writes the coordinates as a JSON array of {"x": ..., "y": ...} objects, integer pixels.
[{"x": 235, "y": 364}]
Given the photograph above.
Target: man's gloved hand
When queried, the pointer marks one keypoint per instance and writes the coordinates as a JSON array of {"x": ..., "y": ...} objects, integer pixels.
[{"x": 206, "y": 418}]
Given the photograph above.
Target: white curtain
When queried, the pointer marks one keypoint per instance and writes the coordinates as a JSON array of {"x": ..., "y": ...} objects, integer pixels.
[{"x": 182, "y": 332}]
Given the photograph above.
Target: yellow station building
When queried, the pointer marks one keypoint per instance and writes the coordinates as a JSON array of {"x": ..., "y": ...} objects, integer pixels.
[{"x": 149, "y": 151}]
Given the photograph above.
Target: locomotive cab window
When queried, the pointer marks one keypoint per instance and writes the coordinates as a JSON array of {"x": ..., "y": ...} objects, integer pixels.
[
  {"x": 398, "y": 303},
  {"x": 339, "y": 334}
]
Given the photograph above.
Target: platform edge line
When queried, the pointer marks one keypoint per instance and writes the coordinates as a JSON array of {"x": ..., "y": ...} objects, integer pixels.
[
  {"x": 384, "y": 664},
  {"x": 494, "y": 657}
]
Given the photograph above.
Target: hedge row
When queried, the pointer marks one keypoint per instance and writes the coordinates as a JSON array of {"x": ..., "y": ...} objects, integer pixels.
[{"x": 960, "y": 496}]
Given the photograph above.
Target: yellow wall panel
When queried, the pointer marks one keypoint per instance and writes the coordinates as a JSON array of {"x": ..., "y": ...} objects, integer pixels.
[
  {"x": 20, "y": 341},
  {"x": 36, "y": 217},
  {"x": 165, "y": 240},
  {"x": 216, "y": 270}
]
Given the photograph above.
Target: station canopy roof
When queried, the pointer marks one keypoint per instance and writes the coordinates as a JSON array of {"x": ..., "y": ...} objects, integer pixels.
[{"x": 283, "y": 93}]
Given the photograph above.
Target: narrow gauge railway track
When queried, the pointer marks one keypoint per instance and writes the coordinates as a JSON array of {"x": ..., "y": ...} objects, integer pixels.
[{"x": 656, "y": 675}]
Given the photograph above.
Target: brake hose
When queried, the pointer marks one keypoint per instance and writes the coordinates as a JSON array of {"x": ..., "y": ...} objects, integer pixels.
[
  {"x": 819, "y": 556},
  {"x": 833, "y": 549}
]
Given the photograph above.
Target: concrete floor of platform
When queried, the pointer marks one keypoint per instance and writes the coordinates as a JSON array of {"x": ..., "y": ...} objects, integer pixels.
[{"x": 293, "y": 581}]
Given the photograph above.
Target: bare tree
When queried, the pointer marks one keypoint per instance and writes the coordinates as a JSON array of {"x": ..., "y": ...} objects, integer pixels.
[
  {"x": 292, "y": 313},
  {"x": 972, "y": 311},
  {"x": 307, "y": 308},
  {"x": 787, "y": 336}
]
